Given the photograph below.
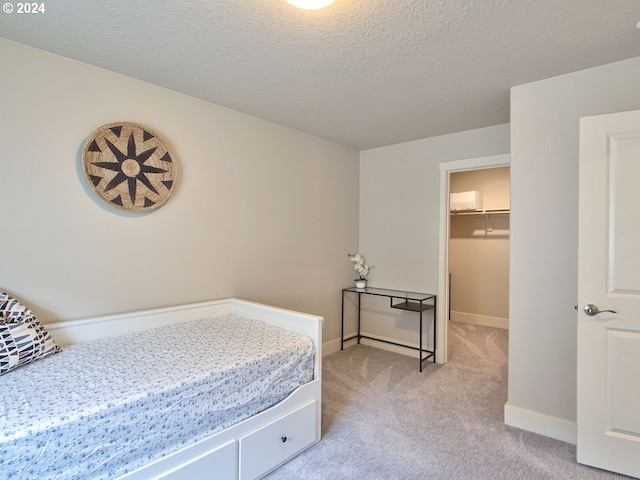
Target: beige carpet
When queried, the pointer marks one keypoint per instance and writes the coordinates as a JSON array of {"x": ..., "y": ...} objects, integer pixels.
[{"x": 382, "y": 419}]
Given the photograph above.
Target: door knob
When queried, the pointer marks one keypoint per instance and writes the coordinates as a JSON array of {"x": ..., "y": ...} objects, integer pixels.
[{"x": 592, "y": 310}]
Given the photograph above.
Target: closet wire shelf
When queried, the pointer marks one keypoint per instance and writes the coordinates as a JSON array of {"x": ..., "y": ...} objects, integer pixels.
[{"x": 488, "y": 211}]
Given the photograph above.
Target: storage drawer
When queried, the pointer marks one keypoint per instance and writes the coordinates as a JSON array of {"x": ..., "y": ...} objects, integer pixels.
[
  {"x": 277, "y": 442},
  {"x": 218, "y": 463}
]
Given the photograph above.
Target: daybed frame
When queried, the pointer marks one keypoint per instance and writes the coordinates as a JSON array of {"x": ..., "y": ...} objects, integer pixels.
[{"x": 251, "y": 448}]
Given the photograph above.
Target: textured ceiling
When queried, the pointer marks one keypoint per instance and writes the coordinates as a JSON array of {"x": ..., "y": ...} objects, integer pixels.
[{"x": 363, "y": 73}]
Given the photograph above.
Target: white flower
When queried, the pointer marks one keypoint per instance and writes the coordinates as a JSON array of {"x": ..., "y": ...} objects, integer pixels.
[{"x": 359, "y": 265}]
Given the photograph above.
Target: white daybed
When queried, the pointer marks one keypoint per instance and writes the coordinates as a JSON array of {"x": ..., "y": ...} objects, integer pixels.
[{"x": 245, "y": 450}]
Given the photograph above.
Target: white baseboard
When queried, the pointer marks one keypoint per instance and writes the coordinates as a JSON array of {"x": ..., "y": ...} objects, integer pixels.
[
  {"x": 334, "y": 345},
  {"x": 331, "y": 347},
  {"x": 372, "y": 342},
  {"x": 536, "y": 422},
  {"x": 484, "y": 320}
]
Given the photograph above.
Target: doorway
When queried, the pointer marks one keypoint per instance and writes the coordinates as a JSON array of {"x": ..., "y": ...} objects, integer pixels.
[
  {"x": 448, "y": 169},
  {"x": 479, "y": 247}
]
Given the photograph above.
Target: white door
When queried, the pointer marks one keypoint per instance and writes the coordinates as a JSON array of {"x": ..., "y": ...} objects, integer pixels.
[{"x": 609, "y": 279}]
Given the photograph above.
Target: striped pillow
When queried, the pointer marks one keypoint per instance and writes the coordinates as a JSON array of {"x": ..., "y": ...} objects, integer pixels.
[
  {"x": 11, "y": 310},
  {"x": 22, "y": 338}
]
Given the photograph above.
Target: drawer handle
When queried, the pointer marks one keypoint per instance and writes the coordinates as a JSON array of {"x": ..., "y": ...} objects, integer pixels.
[{"x": 284, "y": 439}]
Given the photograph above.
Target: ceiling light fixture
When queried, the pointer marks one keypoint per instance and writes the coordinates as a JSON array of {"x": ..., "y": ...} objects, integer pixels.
[{"x": 310, "y": 4}]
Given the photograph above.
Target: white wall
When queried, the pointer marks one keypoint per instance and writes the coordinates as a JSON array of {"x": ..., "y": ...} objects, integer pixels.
[
  {"x": 544, "y": 238},
  {"x": 400, "y": 208},
  {"x": 260, "y": 212}
]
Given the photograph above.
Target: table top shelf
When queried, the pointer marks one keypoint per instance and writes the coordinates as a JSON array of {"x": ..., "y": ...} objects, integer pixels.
[
  {"x": 413, "y": 306},
  {"x": 399, "y": 294}
]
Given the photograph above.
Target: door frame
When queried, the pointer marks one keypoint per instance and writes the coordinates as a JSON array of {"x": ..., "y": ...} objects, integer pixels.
[{"x": 446, "y": 169}]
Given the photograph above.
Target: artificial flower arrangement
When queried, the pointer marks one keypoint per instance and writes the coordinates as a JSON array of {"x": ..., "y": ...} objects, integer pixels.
[{"x": 360, "y": 265}]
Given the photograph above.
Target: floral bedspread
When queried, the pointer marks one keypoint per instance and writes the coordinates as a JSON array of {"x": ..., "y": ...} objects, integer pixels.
[{"x": 102, "y": 409}]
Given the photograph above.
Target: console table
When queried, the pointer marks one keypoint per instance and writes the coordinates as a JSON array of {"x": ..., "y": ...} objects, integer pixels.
[{"x": 412, "y": 301}]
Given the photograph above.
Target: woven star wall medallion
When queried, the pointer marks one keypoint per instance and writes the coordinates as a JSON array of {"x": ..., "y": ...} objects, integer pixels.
[{"x": 129, "y": 167}]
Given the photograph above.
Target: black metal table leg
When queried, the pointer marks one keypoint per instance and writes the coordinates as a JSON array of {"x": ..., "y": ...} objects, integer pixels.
[
  {"x": 342, "y": 323},
  {"x": 420, "y": 353},
  {"x": 359, "y": 295}
]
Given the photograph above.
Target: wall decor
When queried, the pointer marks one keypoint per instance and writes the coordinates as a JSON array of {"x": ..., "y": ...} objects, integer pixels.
[{"x": 129, "y": 167}]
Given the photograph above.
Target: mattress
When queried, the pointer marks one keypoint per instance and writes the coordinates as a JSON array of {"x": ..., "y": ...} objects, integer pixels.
[{"x": 103, "y": 408}]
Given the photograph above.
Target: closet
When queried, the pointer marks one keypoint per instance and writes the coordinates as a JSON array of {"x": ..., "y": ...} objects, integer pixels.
[{"x": 479, "y": 247}]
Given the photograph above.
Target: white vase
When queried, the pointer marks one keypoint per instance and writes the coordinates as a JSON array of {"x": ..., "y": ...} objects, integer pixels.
[{"x": 360, "y": 283}]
